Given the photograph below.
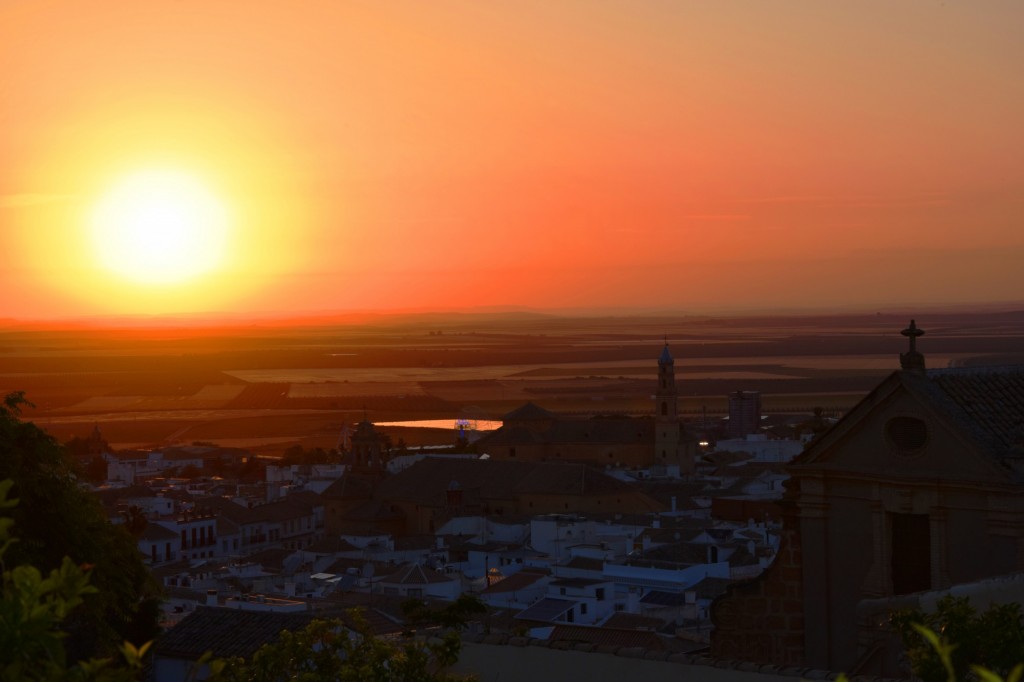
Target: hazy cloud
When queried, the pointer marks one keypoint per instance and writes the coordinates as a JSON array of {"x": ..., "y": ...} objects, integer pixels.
[
  {"x": 717, "y": 216},
  {"x": 855, "y": 201}
]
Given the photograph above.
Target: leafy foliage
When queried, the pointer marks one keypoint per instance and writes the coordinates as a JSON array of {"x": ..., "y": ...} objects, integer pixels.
[
  {"x": 56, "y": 519},
  {"x": 956, "y": 641},
  {"x": 454, "y": 615},
  {"x": 32, "y": 611},
  {"x": 330, "y": 650}
]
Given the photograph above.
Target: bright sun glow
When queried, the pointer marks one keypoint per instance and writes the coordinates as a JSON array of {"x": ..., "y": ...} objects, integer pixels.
[{"x": 160, "y": 227}]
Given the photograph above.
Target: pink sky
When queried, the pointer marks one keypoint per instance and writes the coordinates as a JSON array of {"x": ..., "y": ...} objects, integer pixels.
[{"x": 392, "y": 155}]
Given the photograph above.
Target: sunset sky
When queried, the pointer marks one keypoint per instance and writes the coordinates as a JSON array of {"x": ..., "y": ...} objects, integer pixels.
[{"x": 327, "y": 156}]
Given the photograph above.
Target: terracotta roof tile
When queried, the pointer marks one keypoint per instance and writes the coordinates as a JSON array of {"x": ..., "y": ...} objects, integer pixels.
[
  {"x": 515, "y": 582},
  {"x": 226, "y": 632},
  {"x": 987, "y": 402}
]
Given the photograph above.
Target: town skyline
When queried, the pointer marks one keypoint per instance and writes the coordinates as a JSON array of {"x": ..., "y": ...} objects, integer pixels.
[{"x": 735, "y": 157}]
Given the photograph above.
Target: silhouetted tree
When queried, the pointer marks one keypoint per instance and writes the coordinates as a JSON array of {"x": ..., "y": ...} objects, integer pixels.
[
  {"x": 135, "y": 521},
  {"x": 56, "y": 519},
  {"x": 332, "y": 650},
  {"x": 33, "y": 611}
]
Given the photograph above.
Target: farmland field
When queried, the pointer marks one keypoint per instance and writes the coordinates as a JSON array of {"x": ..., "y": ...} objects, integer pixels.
[{"x": 271, "y": 387}]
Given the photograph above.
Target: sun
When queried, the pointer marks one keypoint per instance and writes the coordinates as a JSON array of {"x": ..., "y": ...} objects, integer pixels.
[{"x": 159, "y": 227}]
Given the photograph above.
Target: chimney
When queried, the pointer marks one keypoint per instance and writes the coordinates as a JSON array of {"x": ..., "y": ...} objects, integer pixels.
[{"x": 211, "y": 597}]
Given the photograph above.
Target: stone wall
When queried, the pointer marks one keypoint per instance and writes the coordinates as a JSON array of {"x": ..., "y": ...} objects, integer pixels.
[{"x": 762, "y": 620}]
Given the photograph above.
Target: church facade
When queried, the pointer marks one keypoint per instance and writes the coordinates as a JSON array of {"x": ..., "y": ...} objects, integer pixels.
[{"x": 918, "y": 488}]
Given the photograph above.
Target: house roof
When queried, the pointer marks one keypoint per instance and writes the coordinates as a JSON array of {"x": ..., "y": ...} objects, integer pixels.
[
  {"x": 226, "y": 632},
  {"x": 349, "y": 487},
  {"x": 546, "y": 609},
  {"x": 632, "y": 621},
  {"x": 987, "y": 402},
  {"x": 415, "y": 542},
  {"x": 108, "y": 495},
  {"x": 427, "y": 482},
  {"x": 663, "y": 598},
  {"x": 679, "y": 553},
  {"x": 285, "y": 509},
  {"x": 710, "y": 587},
  {"x": 595, "y": 431},
  {"x": 585, "y": 563},
  {"x": 330, "y": 545},
  {"x": 272, "y": 559},
  {"x": 577, "y": 582},
  {"x": 515, "y": 582},
  {"x": 414, "y": 574},
  {"x": 528, "y": 412},
  {"x": 154, "y": 532}
]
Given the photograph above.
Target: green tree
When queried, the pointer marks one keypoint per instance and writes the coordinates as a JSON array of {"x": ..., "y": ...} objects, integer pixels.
[
  {"x": 33, "y": 609},
  {"x": 454, "y": 615},
  {"x": 955, "y": 640},
  {"x": 56, "y": 519},
  {"x": 347, "y": 652}
]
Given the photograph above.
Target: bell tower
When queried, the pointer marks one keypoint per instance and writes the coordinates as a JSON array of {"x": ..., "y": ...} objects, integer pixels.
[
  {"x": 667, "y": 396},
  {"x": 667, "y": 429}
]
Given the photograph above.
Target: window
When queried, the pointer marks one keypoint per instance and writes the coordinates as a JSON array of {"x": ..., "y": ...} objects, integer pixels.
[
  {"x": 664, "y": 409},
  {"x": 907, "y": 434},
  {"x": 599, "y": 592},
  {"x": 561, "y": 591},
  {"x": 511, "y": 452},
  {"x": 583, "y": 609}
]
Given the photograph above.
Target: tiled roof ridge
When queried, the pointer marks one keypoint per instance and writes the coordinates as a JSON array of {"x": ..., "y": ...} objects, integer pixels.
[
  {"x": 972, "y": 370},
  {"x": 670, "y": 657}
]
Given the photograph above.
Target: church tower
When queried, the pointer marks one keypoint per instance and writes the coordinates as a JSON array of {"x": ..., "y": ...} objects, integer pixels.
[
  {"x": 367, "y": 453},
  {"x": 668, "y": 447},
  {"x": 667, "y": 396}
]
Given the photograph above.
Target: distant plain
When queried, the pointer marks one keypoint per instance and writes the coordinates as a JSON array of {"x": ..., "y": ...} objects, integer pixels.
[{"x": 268, "y": 387}]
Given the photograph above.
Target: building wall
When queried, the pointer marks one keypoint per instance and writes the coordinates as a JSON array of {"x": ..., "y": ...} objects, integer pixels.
[
  {"x": 849, "y": 538},
  {"x": 639, "y": 454},
  {"x": 511, "y": 663},
  {"x": 763, "y": 620}
]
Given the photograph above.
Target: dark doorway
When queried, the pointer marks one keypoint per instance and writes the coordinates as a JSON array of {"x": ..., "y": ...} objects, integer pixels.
[{"x": 911, "y": 553}]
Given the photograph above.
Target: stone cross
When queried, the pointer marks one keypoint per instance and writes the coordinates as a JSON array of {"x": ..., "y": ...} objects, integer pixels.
[{"x": 912, "y": 332}]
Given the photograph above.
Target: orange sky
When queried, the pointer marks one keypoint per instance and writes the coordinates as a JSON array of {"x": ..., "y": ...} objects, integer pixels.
[{"x": 677, "y": 154}]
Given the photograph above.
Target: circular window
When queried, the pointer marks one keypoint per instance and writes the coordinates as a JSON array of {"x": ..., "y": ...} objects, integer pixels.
[{"x": 907, "y": 434}]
